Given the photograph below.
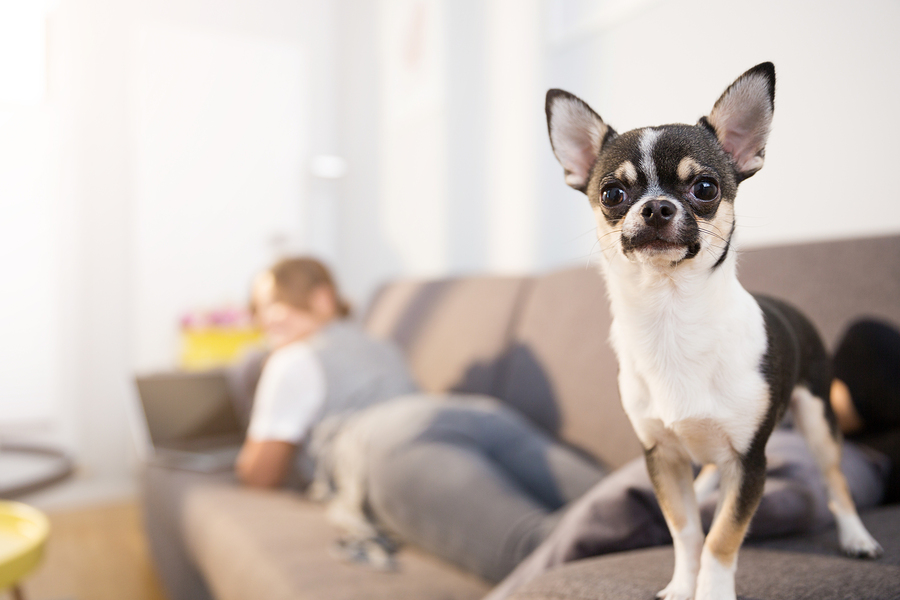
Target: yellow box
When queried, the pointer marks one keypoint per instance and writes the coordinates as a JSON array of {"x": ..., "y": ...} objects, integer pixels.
[{"x": 210, "y": 347}]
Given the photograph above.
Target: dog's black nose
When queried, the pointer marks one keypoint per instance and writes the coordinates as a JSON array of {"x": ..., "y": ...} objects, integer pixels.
[{"x": 658, "y": 212}]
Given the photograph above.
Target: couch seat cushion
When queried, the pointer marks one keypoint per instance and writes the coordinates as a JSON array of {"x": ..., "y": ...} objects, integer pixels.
[
  {"x": 790, "y": 568},
  {"x": 275, "y": 545},
  {"x": 761, "y": 575}
]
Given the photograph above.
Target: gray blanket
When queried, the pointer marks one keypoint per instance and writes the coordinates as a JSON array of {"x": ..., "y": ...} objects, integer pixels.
[{"x": 621, "y": 512}]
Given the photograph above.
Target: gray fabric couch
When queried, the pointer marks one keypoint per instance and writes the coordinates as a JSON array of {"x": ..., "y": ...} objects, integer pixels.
[{"x": 539, "y": 344}]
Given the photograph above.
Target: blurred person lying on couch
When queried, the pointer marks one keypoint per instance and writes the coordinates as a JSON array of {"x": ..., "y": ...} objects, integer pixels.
[{"x": 463, "y": 476}]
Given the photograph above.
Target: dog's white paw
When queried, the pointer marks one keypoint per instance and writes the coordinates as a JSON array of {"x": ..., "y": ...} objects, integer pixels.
[
  {"x": 861, "y": 545},
  {"x": 675, "y": 592},
  {"x": 715, "y": 591},
  {"x": 855, "y": 539},
  {"x": 715, "y": 580}
]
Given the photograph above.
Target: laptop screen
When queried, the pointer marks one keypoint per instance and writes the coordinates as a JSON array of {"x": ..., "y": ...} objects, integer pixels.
[{"x": 183, "y": 408}]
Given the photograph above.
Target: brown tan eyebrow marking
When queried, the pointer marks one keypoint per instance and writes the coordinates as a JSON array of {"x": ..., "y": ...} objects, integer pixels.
[
  {"x": 687, "y": 168},
  {"x": 627, "y": 173}
]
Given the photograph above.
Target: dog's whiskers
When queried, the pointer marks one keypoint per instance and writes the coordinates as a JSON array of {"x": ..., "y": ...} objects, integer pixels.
[
  {"x": 603, "y": 248},
  {"x": 590, "y": 255},
  {"x": 714, "y": 234}
]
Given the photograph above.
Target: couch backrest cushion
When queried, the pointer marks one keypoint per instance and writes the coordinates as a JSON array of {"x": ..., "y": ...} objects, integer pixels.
[
  {"x": 561, "y": 371},
  {"x": 453, "y": 331},
  {"x": 832, "y": 282}
]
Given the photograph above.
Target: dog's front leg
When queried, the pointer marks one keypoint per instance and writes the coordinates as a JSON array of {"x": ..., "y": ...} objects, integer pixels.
[
  {"x": 741, "y": 487},
  {"x": 672, "y": 475}
]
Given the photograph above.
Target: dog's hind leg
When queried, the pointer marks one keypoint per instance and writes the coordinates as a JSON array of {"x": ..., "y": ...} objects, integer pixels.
[
  {"x": 672, "y": 476},
  {"x": 825, "y": 445}
]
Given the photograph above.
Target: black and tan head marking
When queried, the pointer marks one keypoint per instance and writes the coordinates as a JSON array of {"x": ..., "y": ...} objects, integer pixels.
[{"x": 670, "y": 160}]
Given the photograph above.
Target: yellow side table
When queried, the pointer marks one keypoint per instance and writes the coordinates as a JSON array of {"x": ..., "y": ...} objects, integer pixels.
[{"x": 23, "y": 533}]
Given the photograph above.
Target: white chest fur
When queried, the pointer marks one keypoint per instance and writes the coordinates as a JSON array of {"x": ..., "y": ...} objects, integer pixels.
[{"x": 690, "y": 348}]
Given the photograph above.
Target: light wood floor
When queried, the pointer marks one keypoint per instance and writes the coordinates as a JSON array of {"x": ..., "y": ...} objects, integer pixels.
[{"x": 97, "y": 553}]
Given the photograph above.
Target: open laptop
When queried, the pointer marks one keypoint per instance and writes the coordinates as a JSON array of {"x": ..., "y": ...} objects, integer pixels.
[{"x": 190, "y": 420}]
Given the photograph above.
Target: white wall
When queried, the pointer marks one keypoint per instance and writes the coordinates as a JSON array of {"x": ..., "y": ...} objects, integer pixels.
[
  {"x": 413, "y": 140},
  {"x": 513, "y": 54}
]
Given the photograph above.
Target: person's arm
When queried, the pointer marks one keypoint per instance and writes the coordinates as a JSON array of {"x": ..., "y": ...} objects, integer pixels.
[
  {"x": 264, "y": 463},
  {"x": 289, "y": 395}
]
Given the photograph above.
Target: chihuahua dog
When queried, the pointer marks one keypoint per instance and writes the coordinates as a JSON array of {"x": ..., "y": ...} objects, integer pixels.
[{"x": 706, "y": 369}]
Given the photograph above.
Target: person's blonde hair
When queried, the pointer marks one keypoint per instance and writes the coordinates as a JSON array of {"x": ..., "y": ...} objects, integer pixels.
[{"x": 295, "y": 279}]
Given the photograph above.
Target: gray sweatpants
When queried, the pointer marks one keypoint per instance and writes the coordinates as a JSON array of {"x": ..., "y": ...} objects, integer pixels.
[{"x": 469, "y": 479}]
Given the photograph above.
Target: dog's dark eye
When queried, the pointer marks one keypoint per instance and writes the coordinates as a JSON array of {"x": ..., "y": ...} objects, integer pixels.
[
  {"x": 612, "y": 196},
  {"x": 705, "y": 190}
]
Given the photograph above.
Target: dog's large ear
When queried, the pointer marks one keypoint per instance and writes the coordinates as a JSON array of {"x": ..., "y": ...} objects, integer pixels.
[
  {"x": 742, "y": 118},
  {"x": 576, "y": 134}
]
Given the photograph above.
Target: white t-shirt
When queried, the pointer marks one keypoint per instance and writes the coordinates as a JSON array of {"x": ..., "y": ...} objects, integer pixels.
[{"x": 289, "y": 395}]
